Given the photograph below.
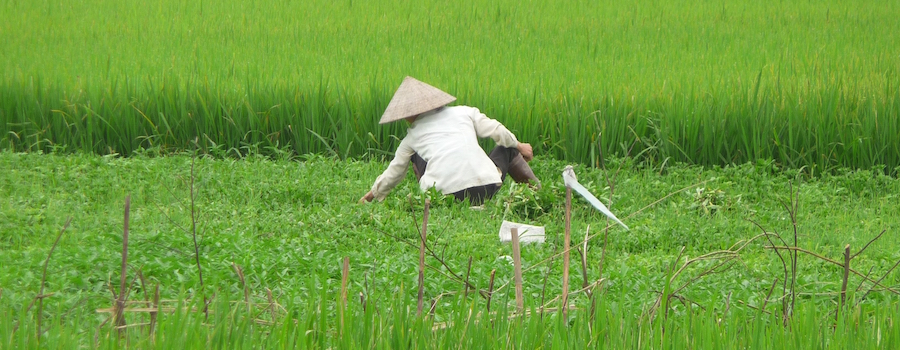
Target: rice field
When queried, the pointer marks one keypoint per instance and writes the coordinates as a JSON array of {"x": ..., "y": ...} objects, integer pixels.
[
  {"x": 276, "y": 232},
  {"x": 810, "y": 85}
]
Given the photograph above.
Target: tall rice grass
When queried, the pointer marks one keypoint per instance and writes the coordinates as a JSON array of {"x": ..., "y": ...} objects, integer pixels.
[
  {"x": 810, "y": 85},
  {"x": 394, "y": 325}
]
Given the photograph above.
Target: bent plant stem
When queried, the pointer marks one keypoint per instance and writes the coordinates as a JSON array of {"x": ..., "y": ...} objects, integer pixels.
[
  {"x": 784, "y": 310},
  {"x": 841, "y": 265},
  {"x": 194, "y": 236},
  {"x": 423, "y": 236},
  {"x": 40, "y": 297},
  {"x": 792, "y": 210},
  {"x": 877, "y": 283},
  {"x": 648, "y": 206}
]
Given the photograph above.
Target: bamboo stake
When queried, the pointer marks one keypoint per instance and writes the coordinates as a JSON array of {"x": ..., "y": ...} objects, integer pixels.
[
  {"x": 846, "y": 277},
  {"x": 345, "y": 273},
  {"x": 468, "y": 271},
  {"x": 566, "y": 242},
  {"x": 155, "y": 306},
  {"x": 423, "y": 237},
  {"x": 490, "y": 292},
  {"x": 517, "y": 264},
  {"x": 120, "y": 301}
]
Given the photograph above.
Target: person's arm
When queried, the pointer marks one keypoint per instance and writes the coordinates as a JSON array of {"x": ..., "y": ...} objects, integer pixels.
[
  {"x": 391, "y": 176},
  {"x": 487, "y": 127}
]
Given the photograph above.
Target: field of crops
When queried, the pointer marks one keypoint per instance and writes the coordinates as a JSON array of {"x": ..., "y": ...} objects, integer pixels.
[
  {"x": 812, "y": 85},
  {"x": 746, "y": 144},
  {"x": 277, "y": 231}
]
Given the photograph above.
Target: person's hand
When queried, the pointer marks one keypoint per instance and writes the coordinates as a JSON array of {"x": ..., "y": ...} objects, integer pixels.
[
  {"x": 526, "y": 151},
  {"x": 367, "y": 198}
]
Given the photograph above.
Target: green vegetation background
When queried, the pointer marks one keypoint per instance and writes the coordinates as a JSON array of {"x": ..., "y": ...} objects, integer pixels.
[{"x": 812, "y": 85}]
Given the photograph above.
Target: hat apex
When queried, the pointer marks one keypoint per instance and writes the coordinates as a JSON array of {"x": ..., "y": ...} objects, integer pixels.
[{"x": 414, "y": 97}]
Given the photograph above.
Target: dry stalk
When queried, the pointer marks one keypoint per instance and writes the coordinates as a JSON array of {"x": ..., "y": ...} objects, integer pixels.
[
  {"x": 754, "y": 307},
  {"x": 844, "y": 284},
  {"x": 345, "y": 276},
  {"x": 867, "y": 244},
  {"x": 40, "y": 297},
  {"x": 648, "y": 206},
  {"x": 196, "y": 245},
  {"x": 566, "y": 242},
  {"x": 544, "y": 307},
  {"x": 449, "y": 273},
  {"x": 423, "y": 238},
  {"x": 490, "y": 292},
  {"x": 875, "y": 283},
  {"x": 517, "y": 268},
  {"x": 544, "y": 288},
  {"x": 153, "y": 314},
  {"x": 582, "y": 253},
  {"x": 466, "y": 285},
  {"x": 727, "y": 307},
  {"x": 120, "y": 301},
  {"x": 240, "y": 273},
  {"x": 769, "y": 294}
]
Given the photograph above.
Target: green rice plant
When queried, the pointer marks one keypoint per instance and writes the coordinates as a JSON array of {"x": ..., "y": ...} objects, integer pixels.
[{"x": 715, "y": 83}]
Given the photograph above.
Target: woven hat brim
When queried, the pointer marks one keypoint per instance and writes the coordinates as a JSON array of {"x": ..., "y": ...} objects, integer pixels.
[{"x": 414, "y": 97}]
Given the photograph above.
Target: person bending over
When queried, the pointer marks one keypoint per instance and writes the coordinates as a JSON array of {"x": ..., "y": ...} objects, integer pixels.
[{"x": 442, "y": 145}]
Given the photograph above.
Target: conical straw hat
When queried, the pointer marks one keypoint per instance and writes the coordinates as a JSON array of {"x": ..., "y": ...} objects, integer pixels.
[{"x": 414, "y": 97}]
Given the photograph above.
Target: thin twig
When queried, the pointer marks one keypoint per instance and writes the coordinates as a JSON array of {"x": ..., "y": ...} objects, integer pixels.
[
  {"x": 490, "y": 292},
  {"x": 727, "y": 306},
  {"x": 626, "y": 217},
  {"x": 194, "y": 236},
  {"x": 517, "y": 268},
  {"x": 544, "y": 288},
  {"x": 867, "y": 244},
  {"x": 876, "y": 283},
  {"x": 423, "y": 238},
  {"x": 120, "y": 301},
  {"x": 769, "y": 294},
  {"x": 40, "y": 297},
  {"x": 566, "y": 242}
]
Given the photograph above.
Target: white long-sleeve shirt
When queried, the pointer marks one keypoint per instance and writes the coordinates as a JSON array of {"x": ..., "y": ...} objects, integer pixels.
[{"x": 448, "y": 140}]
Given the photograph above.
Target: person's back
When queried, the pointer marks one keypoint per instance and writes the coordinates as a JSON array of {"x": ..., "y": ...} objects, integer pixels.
[
  {"x": 442, "y": 144},
  {"x": 446, "y": 139}
]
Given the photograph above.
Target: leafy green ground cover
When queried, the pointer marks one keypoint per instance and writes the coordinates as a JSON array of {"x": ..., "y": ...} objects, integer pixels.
[{"x": 288, "y": 224}]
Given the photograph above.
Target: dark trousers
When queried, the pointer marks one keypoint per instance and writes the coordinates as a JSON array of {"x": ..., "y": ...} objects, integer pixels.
[{"x": 501, "y": 156}]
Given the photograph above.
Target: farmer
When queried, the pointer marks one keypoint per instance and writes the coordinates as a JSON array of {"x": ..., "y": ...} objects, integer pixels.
[{"x": 442, "y": 145}]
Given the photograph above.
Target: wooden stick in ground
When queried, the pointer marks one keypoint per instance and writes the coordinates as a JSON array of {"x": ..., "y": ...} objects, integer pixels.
[
  {"x": 566, "y": 242},
  {"x": 846, "y": 277},
  {"x": 240, "y": 273},
  {"x": 154, "y": 305},
  {"x": 422, "y": 240},
  {"x": 517, "y": 265},
  {"x": 345, "y": 274},
  {"x": 468, "y": 271},
  {"x": 197, "y": 246},
  {"x": 490, "y": 290},
  {"x": 583, "y": 254},
  {"x": 120, "y": 301}
]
